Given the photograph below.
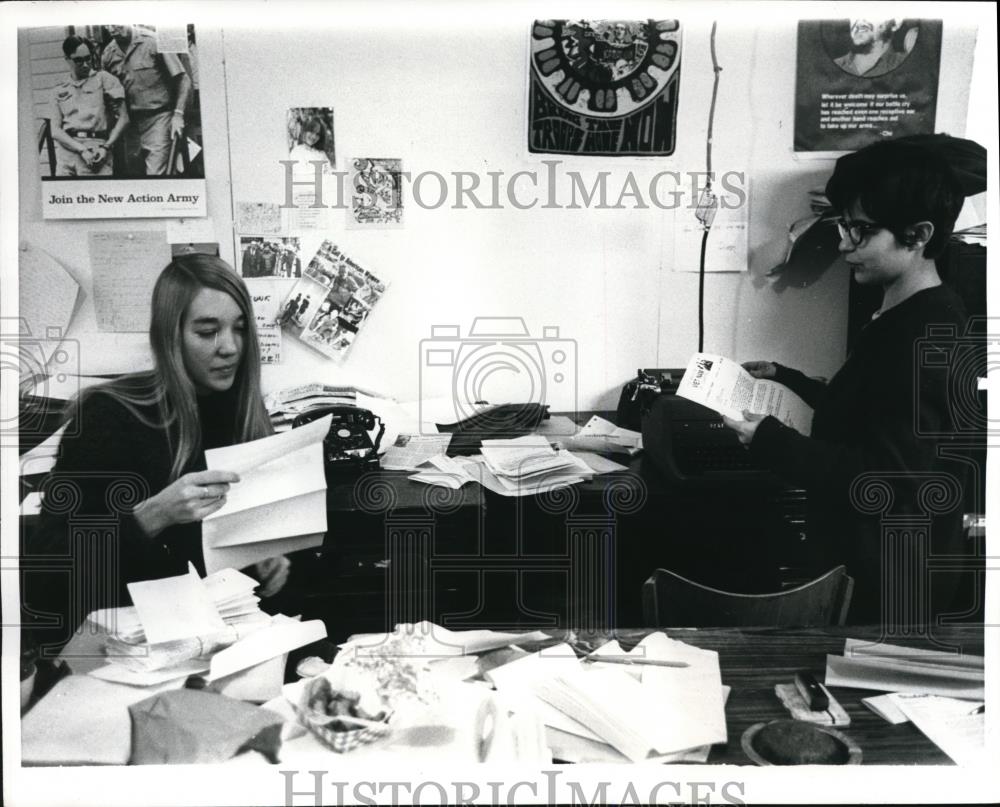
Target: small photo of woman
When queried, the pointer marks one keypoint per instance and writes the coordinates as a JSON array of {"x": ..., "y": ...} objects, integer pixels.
[{"x": 310, "y": 138}]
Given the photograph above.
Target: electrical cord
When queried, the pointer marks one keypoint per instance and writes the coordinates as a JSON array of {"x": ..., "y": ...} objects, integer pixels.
[{"x": 708, "y": 203}]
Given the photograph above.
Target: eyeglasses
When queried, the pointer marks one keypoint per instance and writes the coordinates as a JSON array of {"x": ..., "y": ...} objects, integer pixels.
[
  {"x": 857, "y": 231},
  {"x": 80, "y": 59}
]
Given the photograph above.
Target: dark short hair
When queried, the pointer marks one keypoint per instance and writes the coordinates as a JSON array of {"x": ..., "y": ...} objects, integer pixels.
[
  {"x": 71, "y": 43},
  {"x": 316, "y": 125},
  {"x": 899, "y": 184}
]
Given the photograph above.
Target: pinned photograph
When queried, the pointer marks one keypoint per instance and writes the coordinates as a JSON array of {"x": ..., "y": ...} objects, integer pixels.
[
  {"x": 377, "y": 194},
  {"x": 310, "y": 138},
  {"x": 330, "y": 304},
  {"x": 120, "y": 132},
  {"x": 270, "y": 256}
]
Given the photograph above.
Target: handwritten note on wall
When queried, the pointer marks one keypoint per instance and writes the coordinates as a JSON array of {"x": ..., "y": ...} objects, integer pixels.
[
  {"x": 125, "y": 266},
  {"x": 266, "y": 296}
]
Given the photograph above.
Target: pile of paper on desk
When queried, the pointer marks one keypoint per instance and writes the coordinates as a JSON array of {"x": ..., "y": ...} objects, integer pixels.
[
  {"x": 892, "y": 668},
  {"x": 182, "y": 626},
  {"x": 940, "y": 692},
  {"x": 622, "y": 711},
  {"x": 602, "y": 436},
  {"x": 285, "y": 405},
  {"x": 527, "y": 465}
]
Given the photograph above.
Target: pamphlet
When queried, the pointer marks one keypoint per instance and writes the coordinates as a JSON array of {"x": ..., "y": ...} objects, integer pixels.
[{"x": 723, "y": 385}]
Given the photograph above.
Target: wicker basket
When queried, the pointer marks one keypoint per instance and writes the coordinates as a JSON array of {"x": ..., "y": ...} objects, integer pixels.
[{"x": 321, "y": 726}]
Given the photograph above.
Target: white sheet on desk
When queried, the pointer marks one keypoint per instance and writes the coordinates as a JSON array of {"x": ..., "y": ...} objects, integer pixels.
[
  {"x": 868, "y": 665},
  {"x": 597, "y": 463},
  {"x": 281, "y": 636},
  {"x": 949, "y": 723},
  {"x": 442, "y": 642},
  {"x": 120, "y": 674},
  {"x": 415, "y": 450},
  {"x": 569, "y": 747},
  {"x": 83, "y": 720}
]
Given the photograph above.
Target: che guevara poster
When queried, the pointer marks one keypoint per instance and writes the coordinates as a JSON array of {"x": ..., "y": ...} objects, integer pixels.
[
  {"x": 604, "y": 87},
  {"x": 862, "y": 80}
]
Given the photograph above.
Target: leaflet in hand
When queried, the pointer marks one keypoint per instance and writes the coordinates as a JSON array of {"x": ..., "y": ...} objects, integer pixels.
[{"x": 723, "y": 385}]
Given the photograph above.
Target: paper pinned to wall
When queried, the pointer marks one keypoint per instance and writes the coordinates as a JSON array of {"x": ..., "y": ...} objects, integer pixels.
[
  {"x": 266, "y": 298},
  {"x": 171, "y": 38},
  {"x": 125, "y": 266},
  {"x": 726, "y": 250},
  {"x": 191, "y": 231},
  {"x": 258, "y": 217},
  {"x": 47, "y": 298}
]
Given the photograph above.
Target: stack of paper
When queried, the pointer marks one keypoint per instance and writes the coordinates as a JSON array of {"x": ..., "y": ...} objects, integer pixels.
[
  {"x": 640, "y": 712},
  {"x": 447, "y": 472},
  {"x": 181, "y": 626},
  {"x": 529, "y": 464},
  {"x": 957, "y": 727},
  {"x": 409, "y": 451},
  {"x": 279, "y": 504},
  {"x": 891, "y": 668},
  {"x": 601, "y": 435},
  {"x": 285, "y": 405}
]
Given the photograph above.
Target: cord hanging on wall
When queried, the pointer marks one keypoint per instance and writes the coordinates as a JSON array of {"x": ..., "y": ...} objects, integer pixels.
[{"x": 708, "y": 202}]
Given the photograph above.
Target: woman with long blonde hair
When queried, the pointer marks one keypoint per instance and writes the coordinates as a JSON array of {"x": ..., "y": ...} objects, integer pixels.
[{"x": 127, "y": 496}]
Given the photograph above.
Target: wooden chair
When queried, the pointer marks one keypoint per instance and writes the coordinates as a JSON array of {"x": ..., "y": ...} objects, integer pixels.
[{"x": 669, "y": 600}]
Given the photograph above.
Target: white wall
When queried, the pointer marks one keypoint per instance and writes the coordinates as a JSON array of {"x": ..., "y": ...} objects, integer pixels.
[{"x": 447, "y": 95}]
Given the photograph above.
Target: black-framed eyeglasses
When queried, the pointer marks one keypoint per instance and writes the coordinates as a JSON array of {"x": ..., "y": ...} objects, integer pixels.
[{"x": 857, "y": 231}]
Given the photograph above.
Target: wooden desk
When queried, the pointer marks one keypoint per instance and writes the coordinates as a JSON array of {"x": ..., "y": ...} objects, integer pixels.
[{"x": 753, "y": 660}]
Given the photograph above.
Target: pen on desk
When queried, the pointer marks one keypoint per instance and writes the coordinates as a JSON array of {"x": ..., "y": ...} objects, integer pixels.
[{"x": 649, "y": 662}]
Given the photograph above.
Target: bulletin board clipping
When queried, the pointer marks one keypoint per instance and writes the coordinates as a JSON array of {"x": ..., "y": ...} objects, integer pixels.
[{"x": 860, "y": 81}]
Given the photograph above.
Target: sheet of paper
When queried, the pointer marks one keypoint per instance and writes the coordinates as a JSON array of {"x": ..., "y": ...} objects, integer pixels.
[
  {"x": 557, "y": 425},
  {"x": 295, "y": 473},
  {"x": 410, "y": 450},
  {"x": 47, "y": 298},
  {"x": 242, "y": 555},
  {"x": 725, "y": 387},
  {"x": 599, "y": 464},
  {"x": 124, "y": 266},
  {"x": 175, "y": 608},
  {"x": 266, "y": 296},
  {"x": 120, "y": 674},
  {"x": 726, "y": 248},
  {"x": 299, "y": 515},
  {"x": 258, "y": 217},
  {"x": 897, "y": 669},
  {"x": 445, "y": 643},
  {"x": 885, "y": 707},
  {"x": 191, "y": 231},
  {"x": 281, "y": 636},
  {"x": 31, "y": 505},
  {"x": 245, "y": 458},
  {"x": 957, "y": 727}
]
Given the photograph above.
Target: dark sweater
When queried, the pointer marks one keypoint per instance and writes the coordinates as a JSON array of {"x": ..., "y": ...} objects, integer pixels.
[
  {"x": 109, "y": 461},
  {"x": 880, "y": 414}
]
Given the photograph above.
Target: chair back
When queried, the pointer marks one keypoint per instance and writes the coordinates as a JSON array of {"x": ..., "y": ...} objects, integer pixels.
[{"x": 670, "y": 600}]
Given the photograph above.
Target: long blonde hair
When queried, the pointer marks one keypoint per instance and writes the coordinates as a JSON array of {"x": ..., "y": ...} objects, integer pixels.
[{"x": 168, "y": 386}]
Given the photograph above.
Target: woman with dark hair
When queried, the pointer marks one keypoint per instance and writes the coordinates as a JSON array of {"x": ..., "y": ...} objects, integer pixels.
[
  {"x": 127, "y": 496},
  {"x": 310, "y": 145},
  {"x": 878, "y": 424}
]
